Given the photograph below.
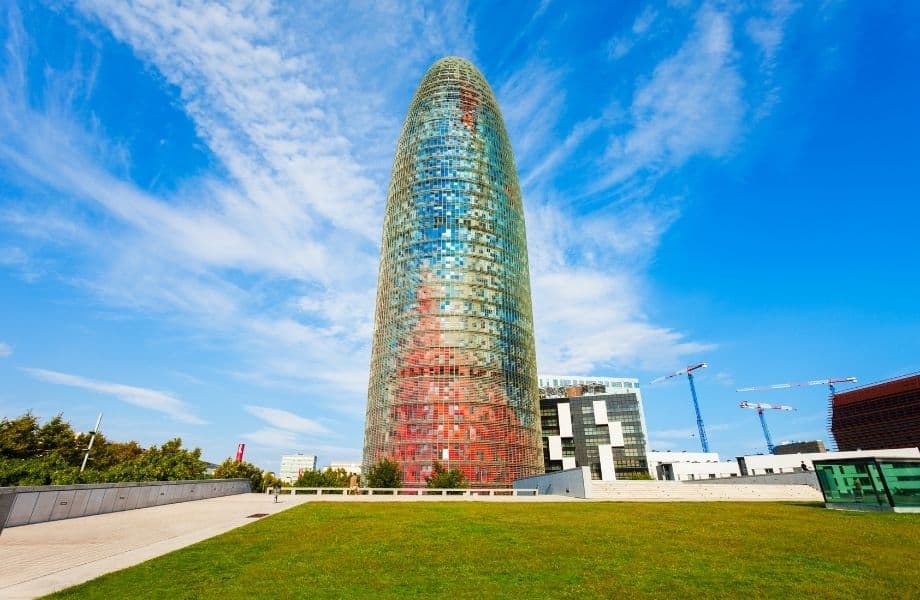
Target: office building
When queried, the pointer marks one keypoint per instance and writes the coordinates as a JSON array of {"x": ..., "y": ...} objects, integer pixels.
[
  {"x": 453, "y": 375},
  {"x": 690, "y": 466},
  {"x": 880, "y": 415},
  {"x": 811, "y": 447},
  {"x": 765, "y": 464},
  {"x": 594, "y": 422},
  {"x": 348, "y": 467},
  {"x": 294, "y": 465}
]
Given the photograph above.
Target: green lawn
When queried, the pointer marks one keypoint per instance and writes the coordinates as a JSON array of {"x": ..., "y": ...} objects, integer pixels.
[{"x": 540, "y": 550}]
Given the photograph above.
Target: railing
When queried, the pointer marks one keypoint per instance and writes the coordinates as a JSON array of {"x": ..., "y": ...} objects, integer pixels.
[{"x": 319, "y": 491}]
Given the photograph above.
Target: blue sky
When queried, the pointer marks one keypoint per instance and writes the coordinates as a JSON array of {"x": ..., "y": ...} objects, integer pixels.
[{"x": 191, "y": 202}]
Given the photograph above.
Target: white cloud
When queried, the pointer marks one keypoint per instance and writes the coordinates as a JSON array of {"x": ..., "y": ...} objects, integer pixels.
[
  {"x": 692, "y": 105},
  {"x": 725, "y": 378},
  {"x": 620, "y": 45},
  {"x": 281, "y": 440},
  {"x": 303, "y": 128},
  {"x": 273, "y": 438},
  {"x": 156, "y": 400},
  {"x": 589, "y": 319},
  {"x": 531, "y": 100},
  {"x": 288, "y": 421},
  {"x": 299, "y": 105},
  {"x": 5, "y": 350},
  {"x": 644, "y": 20}
]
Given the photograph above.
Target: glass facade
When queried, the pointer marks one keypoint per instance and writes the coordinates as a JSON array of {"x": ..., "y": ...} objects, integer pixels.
[
  {"x": 453, "y": 375},
  {"x": 588, "y": 436},
  {"x": 870, "y": 483}
]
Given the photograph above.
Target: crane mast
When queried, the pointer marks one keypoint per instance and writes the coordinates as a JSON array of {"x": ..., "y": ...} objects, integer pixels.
[
  {"x": 829, "y": 382},
  {"x": 704, "y": 441},
  {"x": 763, "y": 421}
]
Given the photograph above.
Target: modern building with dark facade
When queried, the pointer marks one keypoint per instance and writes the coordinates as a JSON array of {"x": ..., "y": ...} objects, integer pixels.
[
  {"x": 595, "y": 422},
  {"x": 810, "y": 447},
  {"x": 880, "y": 415},
  {"x": 453, "y": 367}
]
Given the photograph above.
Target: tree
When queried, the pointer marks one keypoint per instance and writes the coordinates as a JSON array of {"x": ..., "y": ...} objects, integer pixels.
[
  {"x": 330, "y": 478},
  {"x": 231, "y": 469},
  {"x": 58, "y": 437},
  {"x": 311, "y": 479},
  {"x": 269, "y": 480},
  {"x": 106, "y": 455},
  {"x": 385, "y": 474},
  {"x": 336, "y": 478},
  {"x": 33, "y": 454},
  {"x": 442, "y": 478},
  {"x": 19, "y": 437},
  {"x": 169, "y": 462}
]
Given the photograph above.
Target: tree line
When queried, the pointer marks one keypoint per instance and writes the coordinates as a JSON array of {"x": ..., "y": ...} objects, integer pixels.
[
  {"x": 32, "y": 453},
  {"x": 388, "y": 474}
]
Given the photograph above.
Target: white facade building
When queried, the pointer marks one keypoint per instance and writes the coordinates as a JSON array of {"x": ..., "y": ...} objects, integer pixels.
[
  {"x": 350, "y": 467},
  {"x": 294, "y": 465},
  {"x": 762, "y": 464},
  {"x": 593, "y": 421},
  {"x": 689, "y": 466},
  {"x": 611, "y": 383}
]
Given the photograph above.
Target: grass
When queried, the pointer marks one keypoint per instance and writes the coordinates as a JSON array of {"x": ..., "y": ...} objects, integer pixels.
[{"x": 523, "y": 550}]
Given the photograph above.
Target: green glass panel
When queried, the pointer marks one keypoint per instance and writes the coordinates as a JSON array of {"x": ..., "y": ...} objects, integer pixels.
[
  {"x": 858, "y": 483},
  {"x": 903, "y": 479}
]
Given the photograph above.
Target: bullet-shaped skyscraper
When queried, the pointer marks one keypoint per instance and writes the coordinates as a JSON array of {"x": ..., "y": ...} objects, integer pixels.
[{"x": 453, "y": 369}]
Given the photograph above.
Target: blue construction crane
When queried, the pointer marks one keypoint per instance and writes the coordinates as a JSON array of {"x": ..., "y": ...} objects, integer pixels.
[
  {"x": 763, "y": 421},
  {"x": 704, "y": 441},
  {"x": 778, "y": 386},
  {"x": 829, "y": 382}
]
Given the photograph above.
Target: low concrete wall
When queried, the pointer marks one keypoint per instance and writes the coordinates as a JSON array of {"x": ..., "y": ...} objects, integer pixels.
[
  {"x": 37, "y": 504},
  {"x": 683, "y": 491},
  {"x": 799, "y": 478},
  {"x": 571, "y": 482}
]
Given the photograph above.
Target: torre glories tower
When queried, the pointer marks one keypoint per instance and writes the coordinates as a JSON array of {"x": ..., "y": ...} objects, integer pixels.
[{"x": 453, "y": 369}]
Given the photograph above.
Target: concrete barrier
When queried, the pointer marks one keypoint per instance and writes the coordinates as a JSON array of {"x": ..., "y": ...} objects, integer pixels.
[
  {"x": 578, "y": 483},
  {"x": 798, "y": 478},
  {"x": 7, "y": 497},
  {"x": 37, "y": 504},
  {"x": 682, "y": 491}
]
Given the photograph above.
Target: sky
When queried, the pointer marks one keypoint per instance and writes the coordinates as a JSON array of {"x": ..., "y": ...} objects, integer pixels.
[{"x": 192, "y": 195}]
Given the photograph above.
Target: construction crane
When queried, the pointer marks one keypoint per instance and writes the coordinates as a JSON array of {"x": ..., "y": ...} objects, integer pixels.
[
  {"x": 696, "y": 404},
  {"x": 778, "y": 386},
  {"x": 763, "y": 421},
  {"x": 830, "y": 382}
]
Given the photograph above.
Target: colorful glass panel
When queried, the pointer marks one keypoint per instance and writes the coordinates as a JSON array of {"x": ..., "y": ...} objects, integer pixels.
[{"x": 453, "y": 368}]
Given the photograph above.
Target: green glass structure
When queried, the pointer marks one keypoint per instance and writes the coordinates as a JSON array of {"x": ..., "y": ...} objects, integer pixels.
[
  {"x": 870, "y": 483},
  {"x": 453, "y": 368}
]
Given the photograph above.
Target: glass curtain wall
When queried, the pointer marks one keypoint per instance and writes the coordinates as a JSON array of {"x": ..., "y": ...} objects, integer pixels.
[{"x": 453, "y": 367}]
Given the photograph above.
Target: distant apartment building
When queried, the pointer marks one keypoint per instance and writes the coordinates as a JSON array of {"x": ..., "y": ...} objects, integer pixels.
[
  {"x": 349, "y": 467},
  {"x": 880, "y": 415},
  {"x": 595, "y": 422},
  {"x": 294, "y": 465},
  {"x": 810, "y": 447},
  {"x": 767, "y": 464},
  {"x": 690, "y": 466}
]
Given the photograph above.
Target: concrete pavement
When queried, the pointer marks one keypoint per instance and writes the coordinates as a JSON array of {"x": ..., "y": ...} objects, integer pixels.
[{"x": 46, "y": 557}]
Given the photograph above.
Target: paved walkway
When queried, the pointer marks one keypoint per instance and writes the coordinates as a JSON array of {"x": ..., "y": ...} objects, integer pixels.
[{"x": 46, "y": 557}]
